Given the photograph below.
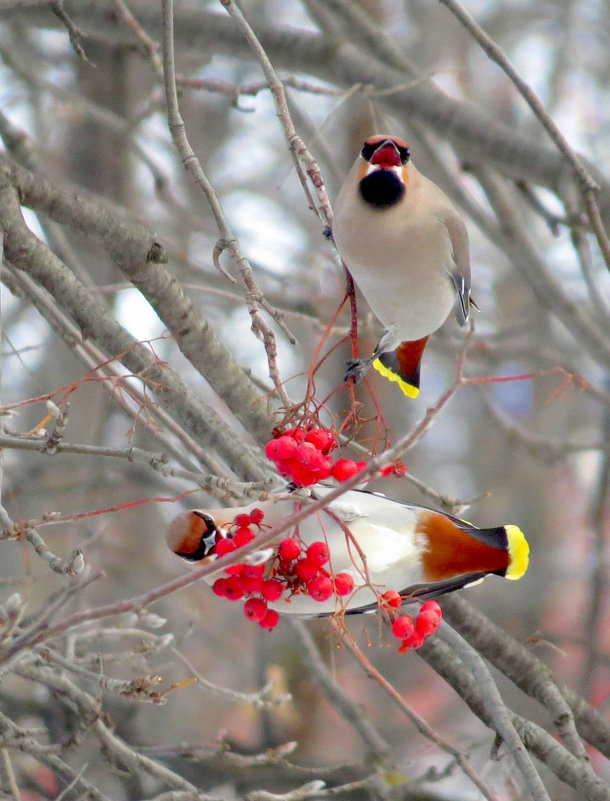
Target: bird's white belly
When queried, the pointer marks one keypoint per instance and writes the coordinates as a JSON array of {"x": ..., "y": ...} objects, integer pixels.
[
  {"x": 404, "y": 278},
  {"x": 379, "y": 556},
  {"x": 410, "y": 308},
  {"x": 380, "y": 551}
]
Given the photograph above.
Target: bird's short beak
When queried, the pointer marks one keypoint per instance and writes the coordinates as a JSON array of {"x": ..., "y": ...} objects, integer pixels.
[{"x": 386, "y": 155}]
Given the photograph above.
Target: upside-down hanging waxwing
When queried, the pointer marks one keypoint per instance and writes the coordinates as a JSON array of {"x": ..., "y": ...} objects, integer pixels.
[
  {"x": 374, "y": 543},
  {"x": 407, "y": 250}
]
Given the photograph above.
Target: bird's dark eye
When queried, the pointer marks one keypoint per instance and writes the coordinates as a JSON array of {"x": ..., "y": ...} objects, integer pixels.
[
  {"x": 368, "y": 150},
  {"x": 207, "y": 519},
  {"x": 208, "y": 540},
  {"x": 403, "y": 152}
]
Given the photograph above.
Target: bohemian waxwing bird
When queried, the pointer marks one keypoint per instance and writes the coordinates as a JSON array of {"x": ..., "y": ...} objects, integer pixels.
[
  {"x": 378, "y": 543},
  {"x": 407, "y": 249}
]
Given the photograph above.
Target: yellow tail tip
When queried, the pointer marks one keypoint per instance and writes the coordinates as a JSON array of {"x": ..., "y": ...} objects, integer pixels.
[
  {"x": 518, "y": 551},
  {"x": 409, "y": 390}
]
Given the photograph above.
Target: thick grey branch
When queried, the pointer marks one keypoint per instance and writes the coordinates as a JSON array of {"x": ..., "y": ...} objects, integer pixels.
[
  {"x": 530, "y": 675},
  {"x": 29, "y": 254},
  {"x": 140, "y": 256},
  {"x": 573, "y": 771},
  {"x": 496, "y": 713}
]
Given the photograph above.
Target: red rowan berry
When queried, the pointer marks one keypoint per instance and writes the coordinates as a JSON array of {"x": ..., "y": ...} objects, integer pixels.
[
  {"x": 318, "y": 553},
  {"x": 272, "y": 589},
  {"x": 254, "y": 571},
  {"x": 344, "y": 469},
  {"x": 323, "y": 440},
  {"x": 325, "y": 468},
  {"x": 255, "y": 609},
  {"x": 243, "y": 536},
  {"x": 391, "y": 598},
  {"x": 257, "y": 516},
  {"x": 320, "y": 588},
  {"x": 219, "y": 586},
  {"x": 402, "y": 627},
  {"x": 284, "y": 468},
  {"x": 225, "y": 546},
  {"x": 233, "y": 589},
  {"x": 415, "y": 641},
  {"x": 270, "y": 620},
  {"x": 306, "y": 569},
  {"x": 433, "y": 606},
  {"x": 289, "y": 549},
  {"x": 285, "y": 449},
  {"x": 271, "y": 450},
  {"x": 307, "y": 454},
  {"x": 302, "y": 476},
  {"x": 242, "y": 520},
  {"x": 251, "y": 584},
  {"x": 428, "y": 622},
  {"x": 344, "y": 583}
]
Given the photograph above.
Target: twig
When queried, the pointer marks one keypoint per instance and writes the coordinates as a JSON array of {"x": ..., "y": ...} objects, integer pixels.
[
  {"x": 9, "y": 731},
  {"x": 532, "y": 676},
  {"x": 575, "y": 772},
  {"x": 7, "y": 769},
  {"x": 226, "y": 240},
  {"x": 263, "y": 699},
  {"x": 252, "y": 89},
  {"x": 298, "y": 150},
  {"x": 116, "y": 747},
  {"x": 218, "y": 486},
  {"x": 72, "y": 784},
  {"x": 496, "y": 710},
  {"x": 119, "y": 388},
  {"x": 588, "y": 187},
  {"x": 539, "y": 447},
  {"x": 526, "y": 259},
  {"x": 71, "y": 567},
  {"x": 74, "y": 32},
  {"x": 357, "y": 25},
  {"x": 32, "y": 255},
  {"x": 420, "y": 724},
  {"x": 149, "y": 46},
  {"x": 377, "y": 748},
  {"x": 314, "y": 789},
  {"x": 598, "y": 579}
]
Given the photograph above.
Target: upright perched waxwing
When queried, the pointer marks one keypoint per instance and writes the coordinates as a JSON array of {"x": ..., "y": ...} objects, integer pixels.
[
  {"x": 359, "y": 547},
  {"x": 407, "y": 249}
]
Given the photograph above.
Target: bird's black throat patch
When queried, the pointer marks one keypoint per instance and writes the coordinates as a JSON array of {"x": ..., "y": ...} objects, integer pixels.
[{"x": 381, "y": 189}]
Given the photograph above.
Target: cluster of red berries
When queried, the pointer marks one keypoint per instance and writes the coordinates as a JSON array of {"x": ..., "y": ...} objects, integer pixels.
[
  {"x": 303, "y": 457},
  {"x": 293, "y": 569},
  {"x": 412, "y": 633},
  {"x": 298, "y": 569}
]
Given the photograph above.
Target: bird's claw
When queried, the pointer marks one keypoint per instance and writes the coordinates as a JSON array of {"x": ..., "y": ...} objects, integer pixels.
[{"x": 356, "y": 369}]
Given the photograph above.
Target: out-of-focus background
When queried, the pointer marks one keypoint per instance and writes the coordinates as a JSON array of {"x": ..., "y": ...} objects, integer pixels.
[{"x": 131, "y": 260}]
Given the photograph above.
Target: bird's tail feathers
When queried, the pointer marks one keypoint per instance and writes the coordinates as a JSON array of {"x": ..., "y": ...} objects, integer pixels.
[
  {"x": 505, "y": 538},
  {"x": 402, "y": 365}
]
